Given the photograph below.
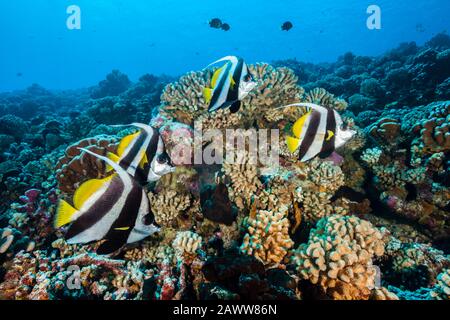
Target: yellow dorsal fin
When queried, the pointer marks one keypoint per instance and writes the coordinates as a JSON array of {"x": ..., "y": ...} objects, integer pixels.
[
  {"x": 125, "y": 142},
  {"x": 87, "y": 189},
  {"x": 114, "y": 157},
  {"x": 207, "y": 94},
  {"x": 122, "y": 228},
  {"x": 292, "y": 143},
  {"x": 330, "y": 135},
  {"x": 216, "y": 77},
  {"x": 298, "y": 125},
  {"x": 64, "y": 214}
]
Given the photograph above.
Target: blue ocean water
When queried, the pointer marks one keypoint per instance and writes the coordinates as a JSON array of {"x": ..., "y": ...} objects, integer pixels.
[{"x": 173, "y": 36}]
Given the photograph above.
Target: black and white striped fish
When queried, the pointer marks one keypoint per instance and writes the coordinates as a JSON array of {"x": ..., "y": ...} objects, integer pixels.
[
  {"x": 230, "y": 84},
  {"x": 318, "y": 132},
  {"x": 143, "y": 155},
  {"x": 115, "y": 209}
]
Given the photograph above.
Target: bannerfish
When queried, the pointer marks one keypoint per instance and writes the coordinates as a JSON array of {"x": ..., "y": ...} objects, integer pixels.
[
  {"x": 143, "y": 155},
  {"x": 115, "y": 209},
  {"x": 225, "y": 27},
  {"x": 318, "y": 132},
  {"x": 286, "y": 26},
  {"x": 230, "y": 84},
  {"x": 215, "y": 23}
]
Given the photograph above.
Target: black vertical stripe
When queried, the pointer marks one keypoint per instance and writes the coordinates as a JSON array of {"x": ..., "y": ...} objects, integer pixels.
[
  {"x": 99, "y": 209},
  {"x": 134, "y": 151},
  {"x": 219, "y": 86},
  {"x": 142, "y": 173},
  {"x": 328, "y": 146},
  {"x": 127, "y": 216},
  {"x": 310, "y": 134},
  {"x": 233, "y": 93}
]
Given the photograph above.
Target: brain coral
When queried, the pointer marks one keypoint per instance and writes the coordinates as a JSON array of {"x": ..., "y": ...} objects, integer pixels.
[{"x": 338, "y": 257}]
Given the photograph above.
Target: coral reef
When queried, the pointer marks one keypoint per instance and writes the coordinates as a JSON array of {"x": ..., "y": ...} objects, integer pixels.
[{"x": 370, "y": 221}]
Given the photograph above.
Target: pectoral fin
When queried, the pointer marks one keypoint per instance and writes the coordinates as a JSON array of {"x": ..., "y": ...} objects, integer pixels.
[{"x": 330, "y": 135}]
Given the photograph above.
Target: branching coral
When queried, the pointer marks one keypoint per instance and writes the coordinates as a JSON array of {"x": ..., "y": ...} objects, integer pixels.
[
  {"x": 244, "y": 175},
  {"x": 338, "y": 257},
  {"x": 167, "y": 205},
  {"x": 322, "y": 97},
  {"x": 183, "y": 100},
  {"x": 268, "y": 236},
  {"x": 187, "y": 243}
]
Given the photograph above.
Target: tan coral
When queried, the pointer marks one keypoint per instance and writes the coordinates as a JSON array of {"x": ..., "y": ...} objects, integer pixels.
[
  {"x": 183, "y": 100},
  {"x": 167, "y": 205},
  {"x": 338, "y": 257},
  {"x": 187, "y": 243},
  {"x": 383, "y": 294},
  {"x": 244, "y": 175},
  {"x": 267, "y": 236},
  {"x": 322, "y": 97}
]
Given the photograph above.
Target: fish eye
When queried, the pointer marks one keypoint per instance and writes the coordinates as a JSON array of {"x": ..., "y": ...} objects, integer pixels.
[
  {"x": 248, "y": 77},
  {"x": 163, "y": 158}
]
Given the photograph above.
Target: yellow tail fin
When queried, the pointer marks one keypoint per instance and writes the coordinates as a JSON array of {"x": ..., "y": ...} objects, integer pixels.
[
  {"x": 292, "y": 143},
  {"x": 64, "y": 214},
  {"x": 207, "y": 94}
]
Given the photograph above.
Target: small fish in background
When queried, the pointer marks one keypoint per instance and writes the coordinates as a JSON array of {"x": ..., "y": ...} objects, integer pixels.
[
  {"x": 420, "y": 28},
  {"x": 225, "y": 27},
  {"x": 19, "y": 74},
  {"x": 286, "y": 26},
  {"x": 215, "y": 23},
  {"x": 143, "y": 155},
  {"x": 230, "y": 84},
  {"x": 318, "y": 132},
  {"x": 115, "y": 209}
]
